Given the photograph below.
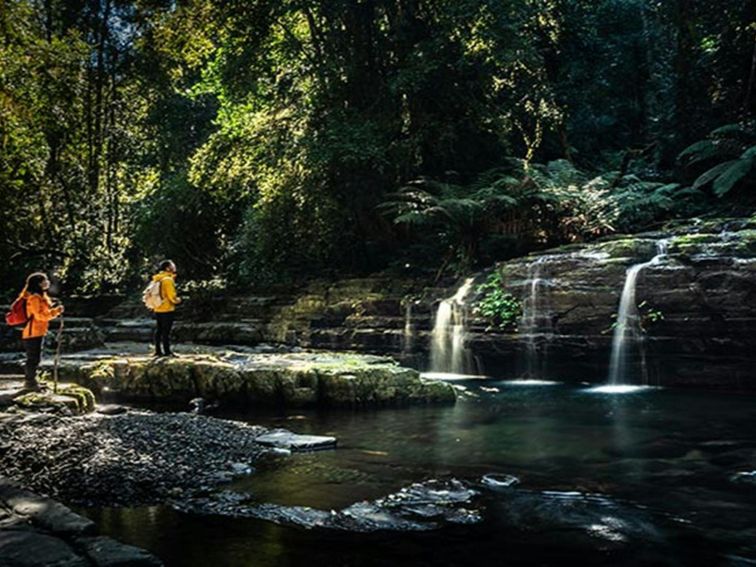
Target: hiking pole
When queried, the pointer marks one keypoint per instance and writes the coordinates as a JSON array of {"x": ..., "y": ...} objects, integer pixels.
[{"x": 56, "y": 362}]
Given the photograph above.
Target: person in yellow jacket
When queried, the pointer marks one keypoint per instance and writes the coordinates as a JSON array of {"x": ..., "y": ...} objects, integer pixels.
[
  {"x": 165, "y": 312},
  {"x": 39, "y": 312}
]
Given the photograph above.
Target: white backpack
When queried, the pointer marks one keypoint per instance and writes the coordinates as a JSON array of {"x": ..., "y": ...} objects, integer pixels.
[{"x": 152, "y": 295}]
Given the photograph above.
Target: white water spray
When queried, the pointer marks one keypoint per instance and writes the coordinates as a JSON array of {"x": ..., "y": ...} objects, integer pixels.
[
  {"x": 448, "y": 353},
  {"x": 531, "y": 321},
  {"x": 627, "y": 332},
  {"x": 408, "y": 336}
]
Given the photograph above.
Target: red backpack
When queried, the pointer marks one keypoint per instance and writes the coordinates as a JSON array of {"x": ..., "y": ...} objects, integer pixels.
[{"x": 17, "y": 317}]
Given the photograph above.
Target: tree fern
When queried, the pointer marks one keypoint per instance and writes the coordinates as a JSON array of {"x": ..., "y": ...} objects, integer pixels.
[
  {"x": 729, "y": 177},
  {"x": 733, "y": 146}
]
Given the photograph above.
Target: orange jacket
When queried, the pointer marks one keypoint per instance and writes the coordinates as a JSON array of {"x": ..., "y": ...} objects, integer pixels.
[{"x": 40, "y": 311}]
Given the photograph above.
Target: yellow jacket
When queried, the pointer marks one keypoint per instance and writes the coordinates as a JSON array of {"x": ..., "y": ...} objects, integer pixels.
[
  {"x": 40, "y": 311},
  {"x": 167, "y": 292}
]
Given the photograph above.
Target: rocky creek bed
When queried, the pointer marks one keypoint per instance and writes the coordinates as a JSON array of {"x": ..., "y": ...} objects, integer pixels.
[{"x": 129, "y": 459}]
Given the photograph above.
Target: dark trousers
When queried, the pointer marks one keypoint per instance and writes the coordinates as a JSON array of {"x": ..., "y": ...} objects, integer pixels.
[
  {"x": 33, "y": 348},
  {"x": 163, "y": 332}
]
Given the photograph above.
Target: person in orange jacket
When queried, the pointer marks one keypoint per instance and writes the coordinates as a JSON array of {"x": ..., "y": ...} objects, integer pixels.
[
  {"x": 39, "y": 311},
  {"x": 165, "y": 312}
]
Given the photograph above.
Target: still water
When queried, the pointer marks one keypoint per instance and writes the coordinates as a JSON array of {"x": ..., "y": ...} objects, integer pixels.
[{"x": 665, "y": 458}]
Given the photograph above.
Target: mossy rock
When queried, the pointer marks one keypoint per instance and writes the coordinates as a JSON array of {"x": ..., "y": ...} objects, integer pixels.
[
  {"x": 69, "y": 399},
  {"x": 303, "y": 380},
  {"x": 635, "y": 248}
]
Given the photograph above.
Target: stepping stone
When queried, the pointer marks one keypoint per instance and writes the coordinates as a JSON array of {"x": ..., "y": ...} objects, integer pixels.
[{"x": 284, "y": 439}]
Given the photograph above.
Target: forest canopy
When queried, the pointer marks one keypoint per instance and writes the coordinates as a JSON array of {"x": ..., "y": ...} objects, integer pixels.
[{"x": 262, "y": 141}]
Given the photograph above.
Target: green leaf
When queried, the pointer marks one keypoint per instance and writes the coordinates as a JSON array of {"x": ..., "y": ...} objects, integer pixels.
[
  {"x": 729, "y": 129},
  {"x": 704, "y": 146},
  {"x": 750, "y": 153},
  {"x": 712, "y": 174},
  {"x": 727, "y": 180}
]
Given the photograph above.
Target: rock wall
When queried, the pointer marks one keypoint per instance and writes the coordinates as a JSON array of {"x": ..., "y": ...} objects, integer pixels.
[{"x": 697, "y": 305}]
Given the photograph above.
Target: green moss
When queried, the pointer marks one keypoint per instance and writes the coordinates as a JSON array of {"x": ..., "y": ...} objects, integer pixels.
[
  {"x": 69, "y": 397},
  {"x": 627, "y": 248}
]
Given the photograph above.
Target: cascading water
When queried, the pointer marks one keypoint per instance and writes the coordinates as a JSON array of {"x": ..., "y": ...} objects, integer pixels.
[
  {"x": 627, "y": 331},
  {"x": 448, "y": 353},
  {"x": 407, "y": 337},
  {"x": 532, "y": 318}
]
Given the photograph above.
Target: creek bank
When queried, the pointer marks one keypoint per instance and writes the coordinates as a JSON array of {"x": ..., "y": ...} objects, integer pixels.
[
  {"x": 294, "y": 379},
  {"x": 35, "y": 530}
]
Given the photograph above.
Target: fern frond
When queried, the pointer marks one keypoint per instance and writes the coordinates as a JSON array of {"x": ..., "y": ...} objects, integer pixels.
[
  {"x": 712, "y": 174},
  {"x": 731, "y": 176}
]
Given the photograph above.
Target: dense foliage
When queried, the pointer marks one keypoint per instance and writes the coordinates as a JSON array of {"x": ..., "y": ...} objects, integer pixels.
[
  {"x": 260, "y": 140},
  {"x": 502, "y": 309}
]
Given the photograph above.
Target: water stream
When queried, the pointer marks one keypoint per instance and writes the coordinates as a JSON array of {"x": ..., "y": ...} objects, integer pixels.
[
  {"x": 628, "y": 334},
  {"x": 533, "y": 323},
  {"x": 408, "y": 334},
  {"x": 668, "y": 459},
  {"x": 448, "y": 353}
]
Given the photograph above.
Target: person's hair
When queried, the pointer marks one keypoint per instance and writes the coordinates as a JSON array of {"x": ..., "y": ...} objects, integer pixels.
[
  {"x": 34, "y": 282},
  {"x": 165, "y": 264}
]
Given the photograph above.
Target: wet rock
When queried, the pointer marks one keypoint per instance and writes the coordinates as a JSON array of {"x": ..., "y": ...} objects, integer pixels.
[
  {"x": 745, "y": 477},
  {"x": 499, "y": 481},
  {"x": 35, "y": 530},
  {"x": 32, "y": 549},
  {"x": 111, "y": 409},
  {"x": 283, "y": 439},
  {"x": 419, "y": 507},
  {"x": 587, "y": 516},
  {"x": 200, "y": 406},
  {"x": 42, "y": 512},
  {"x": 107, "y": 552}
]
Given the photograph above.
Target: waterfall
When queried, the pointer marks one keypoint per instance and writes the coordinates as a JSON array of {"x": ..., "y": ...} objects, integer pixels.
[
  {"x": 407, "y": 337},
  {"x": 532, "y": 317},
  {"x": 448, "y": 353},
  {"x": 627, "y": 331}
]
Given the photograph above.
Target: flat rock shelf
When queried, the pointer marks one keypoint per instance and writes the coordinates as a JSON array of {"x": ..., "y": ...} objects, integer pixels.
[{"x": 296, "y": 379}]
